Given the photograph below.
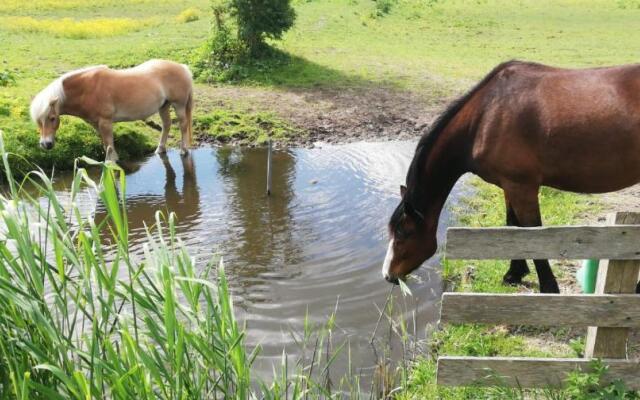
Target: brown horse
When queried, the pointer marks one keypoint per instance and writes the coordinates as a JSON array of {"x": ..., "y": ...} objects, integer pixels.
[
  {"x": 523, "y": 126},
  {"x": 102, "y": 96}
]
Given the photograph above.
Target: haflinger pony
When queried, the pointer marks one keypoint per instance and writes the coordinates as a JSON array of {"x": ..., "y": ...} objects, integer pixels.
[
  {"x": 523, "y": 126},
  {"x": 101, "y": 96}
]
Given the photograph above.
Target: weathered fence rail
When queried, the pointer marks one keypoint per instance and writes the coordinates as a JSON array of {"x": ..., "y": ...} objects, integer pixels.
[{"x": 608, "y": 314}]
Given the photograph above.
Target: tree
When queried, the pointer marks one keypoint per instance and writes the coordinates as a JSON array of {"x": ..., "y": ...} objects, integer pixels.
[{"x": 258, "y": 20}]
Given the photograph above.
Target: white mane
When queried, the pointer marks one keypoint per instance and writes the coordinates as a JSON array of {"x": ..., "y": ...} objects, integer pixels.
[{"x": 55, "y": 90}]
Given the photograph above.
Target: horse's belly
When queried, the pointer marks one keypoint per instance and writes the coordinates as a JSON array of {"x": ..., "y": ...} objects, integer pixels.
[
  {"x": 138, "y": 111},
  {"x": 594, "y": 173}
]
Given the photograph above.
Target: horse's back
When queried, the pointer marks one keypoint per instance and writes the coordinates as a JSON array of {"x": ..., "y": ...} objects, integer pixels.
[
  {"x": 575, "y": 129},
  {"x": 138, "y": 92}
]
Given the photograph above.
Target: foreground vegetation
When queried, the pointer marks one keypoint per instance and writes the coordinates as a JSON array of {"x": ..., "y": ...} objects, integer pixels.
[{"x": 83, "y": 318}]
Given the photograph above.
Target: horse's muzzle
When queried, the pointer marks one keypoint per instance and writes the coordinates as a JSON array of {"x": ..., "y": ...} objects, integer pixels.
[
  {"x": 391, "y": 279},
  {"x": 46, "y": 144}
]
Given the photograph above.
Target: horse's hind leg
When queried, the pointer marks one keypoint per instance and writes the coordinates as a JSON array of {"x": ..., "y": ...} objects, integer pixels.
[
  {"x": 518, "y": 268},
  {"x": 184, "y": 116},
  {"x": 165, "y": 116},
  {"x": 524, "y": 200}
]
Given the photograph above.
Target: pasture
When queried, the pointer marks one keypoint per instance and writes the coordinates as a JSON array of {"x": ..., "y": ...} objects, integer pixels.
[{"x": 347, "y": 71}]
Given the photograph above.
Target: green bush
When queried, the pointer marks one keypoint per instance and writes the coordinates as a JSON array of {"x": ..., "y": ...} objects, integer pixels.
[
  {"x": 261, "y": 19},
  {"x": 238, "y": 36}
]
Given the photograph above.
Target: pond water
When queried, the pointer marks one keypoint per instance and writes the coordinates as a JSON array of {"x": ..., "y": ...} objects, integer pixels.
[{"x": 318, "y": 240}]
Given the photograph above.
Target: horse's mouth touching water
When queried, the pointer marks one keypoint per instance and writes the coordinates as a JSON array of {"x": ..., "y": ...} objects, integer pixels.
[{"x": 523, "y": 126}]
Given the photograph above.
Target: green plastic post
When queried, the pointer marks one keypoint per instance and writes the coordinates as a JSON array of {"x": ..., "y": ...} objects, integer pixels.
[{"x": 587, "y": 275}]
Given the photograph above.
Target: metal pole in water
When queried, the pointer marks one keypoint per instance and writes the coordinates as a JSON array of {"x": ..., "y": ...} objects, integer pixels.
[{"x": 269, "y": 169}]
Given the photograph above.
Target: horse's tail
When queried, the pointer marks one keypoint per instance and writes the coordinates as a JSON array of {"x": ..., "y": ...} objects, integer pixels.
[{"x": 189, "y": 114}]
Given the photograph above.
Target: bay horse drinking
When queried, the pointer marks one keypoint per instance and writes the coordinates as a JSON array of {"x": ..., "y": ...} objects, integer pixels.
[
  {"x": 101, "y": 96},
  {"x": 523, "y": 126}
]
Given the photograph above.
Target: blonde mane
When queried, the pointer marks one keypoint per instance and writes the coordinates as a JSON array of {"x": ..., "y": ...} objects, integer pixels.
[{"x": 40, "y": 104}]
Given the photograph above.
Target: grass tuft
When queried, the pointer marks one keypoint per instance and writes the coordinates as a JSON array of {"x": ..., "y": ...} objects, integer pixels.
[
  {"x": 188, "y": 15},
  {"x": 243, "y": 127}
]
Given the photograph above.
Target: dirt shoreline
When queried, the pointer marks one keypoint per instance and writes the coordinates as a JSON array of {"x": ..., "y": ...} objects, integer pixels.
[{"x": 329, "y": 115}]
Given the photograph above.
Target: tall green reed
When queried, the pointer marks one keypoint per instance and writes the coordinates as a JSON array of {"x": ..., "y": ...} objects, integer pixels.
[{"x": 83, "y": 317}]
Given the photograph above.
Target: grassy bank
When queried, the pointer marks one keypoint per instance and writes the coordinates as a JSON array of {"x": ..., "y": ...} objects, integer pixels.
[
  {"x": 485, "y": 209},
  {"x": 433, "y": 48}
]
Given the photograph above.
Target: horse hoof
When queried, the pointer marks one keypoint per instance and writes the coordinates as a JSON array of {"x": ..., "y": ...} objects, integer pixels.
[
  {"x": 550, "y": 288},
  {"x": 184, "y": 152},
  {"x": 512, "y": 280},
  {"x": 161, "y": 150}
]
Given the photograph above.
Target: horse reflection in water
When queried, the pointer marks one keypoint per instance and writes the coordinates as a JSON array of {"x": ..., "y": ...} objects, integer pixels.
[{"x": 142, "y": 208}]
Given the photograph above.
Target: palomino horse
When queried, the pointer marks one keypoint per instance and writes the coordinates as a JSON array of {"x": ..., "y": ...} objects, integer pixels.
[
  {"x": 102, "y": 96},
  {"x": 523, "y": 126}
]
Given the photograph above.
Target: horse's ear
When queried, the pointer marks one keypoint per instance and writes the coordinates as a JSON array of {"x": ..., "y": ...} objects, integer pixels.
[{"x": 403, "y": 190}]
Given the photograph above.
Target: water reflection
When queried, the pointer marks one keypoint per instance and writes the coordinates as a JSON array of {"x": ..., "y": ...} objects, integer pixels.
[
  {"x": 318, "y": 238},
  {"x": 142, "y": 207},
  {"x": 262, "y": 226}
]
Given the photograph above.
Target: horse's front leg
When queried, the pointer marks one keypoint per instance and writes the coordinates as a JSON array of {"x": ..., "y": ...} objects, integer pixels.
[
  {"x": 524, "y": 200},
  {"x": 105, "y": 127},
  {"x": 518, "y": 268}
]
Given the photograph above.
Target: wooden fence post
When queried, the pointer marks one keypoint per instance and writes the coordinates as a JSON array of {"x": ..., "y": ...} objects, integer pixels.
[{"x": 614, "y": 277}]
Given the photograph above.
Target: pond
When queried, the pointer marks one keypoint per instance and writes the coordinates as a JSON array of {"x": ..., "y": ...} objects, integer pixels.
[{"x": 318, "y": 241}]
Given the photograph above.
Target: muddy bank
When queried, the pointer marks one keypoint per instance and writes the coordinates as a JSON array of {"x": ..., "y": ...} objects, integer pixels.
[{"x": 327, "y": 114}]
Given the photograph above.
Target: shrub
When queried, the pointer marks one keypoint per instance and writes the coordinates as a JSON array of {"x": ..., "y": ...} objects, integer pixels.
[
  {"x": 238, "y": 36},
  {"x": 188, "y": 15},
  {"x": 261, "y": 19}
]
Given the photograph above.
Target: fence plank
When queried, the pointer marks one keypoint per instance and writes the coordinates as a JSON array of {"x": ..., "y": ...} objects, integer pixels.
[
  {"x": 527, "y": 372},
  {"x": 614, "y": 276},
  {"x": 541, "y": 309},
  {"x": 558, "y": 242}
]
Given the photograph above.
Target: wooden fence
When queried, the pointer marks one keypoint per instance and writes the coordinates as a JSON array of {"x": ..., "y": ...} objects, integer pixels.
[{"x": 608, "y": 314}]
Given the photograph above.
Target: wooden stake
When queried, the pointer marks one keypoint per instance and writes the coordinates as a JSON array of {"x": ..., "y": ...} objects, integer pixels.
[{"x": 269, "y": 169}]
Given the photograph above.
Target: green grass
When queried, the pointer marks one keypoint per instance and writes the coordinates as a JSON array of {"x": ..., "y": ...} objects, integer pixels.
[
  {"x": 243, "y": 127},
  {"x": 434, "y": 48}
]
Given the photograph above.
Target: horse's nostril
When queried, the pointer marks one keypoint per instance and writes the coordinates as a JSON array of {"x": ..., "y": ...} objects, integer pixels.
[
  {"x": 391, "y": 279},
  {"x": 46, "y": 145}
]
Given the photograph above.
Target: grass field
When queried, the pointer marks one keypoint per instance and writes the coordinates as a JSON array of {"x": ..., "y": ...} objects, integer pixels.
[{"x": 431, "y": 48}]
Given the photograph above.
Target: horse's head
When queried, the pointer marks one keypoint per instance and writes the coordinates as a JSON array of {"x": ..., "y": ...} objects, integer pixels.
[
  {"x": 412, "y": 240},
  {"x": 48, "y": 125}
]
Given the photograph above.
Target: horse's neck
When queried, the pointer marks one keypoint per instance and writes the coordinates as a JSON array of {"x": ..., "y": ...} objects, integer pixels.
[
  {"x": 74, "y": 90},
  {"x": 445, "y": 164}
]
